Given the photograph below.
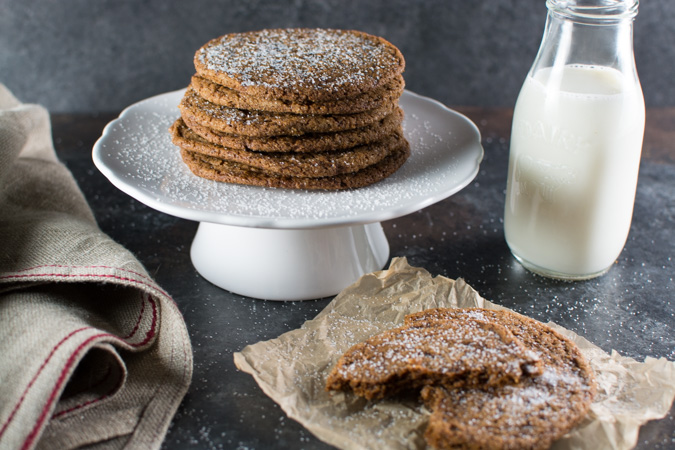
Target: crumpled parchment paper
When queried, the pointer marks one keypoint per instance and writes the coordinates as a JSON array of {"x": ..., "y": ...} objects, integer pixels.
[{"x": 292, "y": 369}]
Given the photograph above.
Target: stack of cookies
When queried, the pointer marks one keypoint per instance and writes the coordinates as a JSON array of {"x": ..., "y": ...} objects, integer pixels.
[
  {"x": 490, "y": 379},
  {"x": 294, "y": 108}
]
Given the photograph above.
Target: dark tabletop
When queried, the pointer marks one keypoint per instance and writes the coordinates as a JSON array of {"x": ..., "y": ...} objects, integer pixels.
[{"x": 630, "y": 309}]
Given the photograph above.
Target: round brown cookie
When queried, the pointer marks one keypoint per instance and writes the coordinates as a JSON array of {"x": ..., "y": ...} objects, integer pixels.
[
  {"x": 230, "y": 172},
  {"x": 221, "y": 95},
  {"x": 322, "y": 164},
  {"x": 262, "y": 124},
  {"x": 310, "y": 142},
  {"x": 453, "y": 354},
  {"x": 555, "y": 347},
  {"x": 531, "y": 414},
  {"x": 299, "y": 64}
]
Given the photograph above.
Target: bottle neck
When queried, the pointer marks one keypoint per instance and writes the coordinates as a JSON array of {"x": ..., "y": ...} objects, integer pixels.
[
  {"x": 588, "y": 40},
  {"x": 594, "y": 11}
]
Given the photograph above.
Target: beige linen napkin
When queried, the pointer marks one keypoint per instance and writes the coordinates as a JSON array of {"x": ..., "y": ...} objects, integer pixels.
[{"x": 92, "y": 350}]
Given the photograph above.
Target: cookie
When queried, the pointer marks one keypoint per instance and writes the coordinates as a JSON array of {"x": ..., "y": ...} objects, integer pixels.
[
  {"x": 532, "y": 413},
  {"x": 294, "y": 108},
  {"x": 261, "y": 124},
  {"x": 230, "y": 172},
  {"x": 321, "y": 164},
  {"x": 309, "y": 142},
  {"x": 300, "y": 65},
  {"x": 452, "y": 354},
  {"x": 536, "y": 336},
  {"x": 375, "y": 98}
]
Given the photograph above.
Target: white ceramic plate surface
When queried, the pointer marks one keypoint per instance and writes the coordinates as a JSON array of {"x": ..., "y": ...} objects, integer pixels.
[{"x": 136, "y": 154}]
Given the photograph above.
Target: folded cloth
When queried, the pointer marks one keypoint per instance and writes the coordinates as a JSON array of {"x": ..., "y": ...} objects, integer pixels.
[{"x": 92, "y": 351}]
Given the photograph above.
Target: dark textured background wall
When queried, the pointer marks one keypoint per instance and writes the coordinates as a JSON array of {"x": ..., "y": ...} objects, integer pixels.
[{"x": 102, "y": 55}]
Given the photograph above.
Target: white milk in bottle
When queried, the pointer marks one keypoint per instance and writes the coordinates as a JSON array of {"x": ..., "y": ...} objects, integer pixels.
[
  {"x": 576, "y": 141},
  {"x": 573, "y": 169}
]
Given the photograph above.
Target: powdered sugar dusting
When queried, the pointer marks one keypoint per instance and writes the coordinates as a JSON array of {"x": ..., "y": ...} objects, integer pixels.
[
  {"x": 551, "y": 398},
  {"x": 465, "y": 352},
  {"x": 329, "y": 60},
  {"x": 137, "y": 155}
]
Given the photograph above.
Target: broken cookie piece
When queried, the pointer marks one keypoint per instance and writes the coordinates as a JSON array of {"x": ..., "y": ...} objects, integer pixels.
[
  {"x": 491, "y": 379},
  {"x": 452, "y": 354}
]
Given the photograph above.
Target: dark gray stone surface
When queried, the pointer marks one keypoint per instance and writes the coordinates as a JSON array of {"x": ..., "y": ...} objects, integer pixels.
[
  {"x": 630, "y": 309},
  {"x": 102, "y": 55}
]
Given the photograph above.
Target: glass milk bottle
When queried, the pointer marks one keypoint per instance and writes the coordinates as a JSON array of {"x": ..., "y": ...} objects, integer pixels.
[{"x": 575, "y": 143}]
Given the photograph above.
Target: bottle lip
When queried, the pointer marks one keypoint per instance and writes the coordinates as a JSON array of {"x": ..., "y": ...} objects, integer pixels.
[{"x": 595, "y": 11}]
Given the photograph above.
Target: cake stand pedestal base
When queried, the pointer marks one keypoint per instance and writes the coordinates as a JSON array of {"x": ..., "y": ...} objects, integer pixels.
[{"x": 287, "y": 264}]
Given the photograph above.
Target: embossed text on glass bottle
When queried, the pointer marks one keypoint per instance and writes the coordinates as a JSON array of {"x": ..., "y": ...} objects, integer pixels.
[{"x": 575, "y": 143}]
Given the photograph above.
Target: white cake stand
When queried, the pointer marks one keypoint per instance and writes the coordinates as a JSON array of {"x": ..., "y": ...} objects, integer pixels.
[{"x": 280, "y": 244}]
